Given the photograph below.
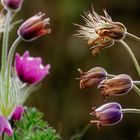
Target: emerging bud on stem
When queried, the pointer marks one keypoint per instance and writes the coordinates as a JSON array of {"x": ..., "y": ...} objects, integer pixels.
[
  {"x": 92, "y": 77},
  {"x": 17, "y": 113},
  {"x": 116, "y": 86},
  {"x": 107, "y": 114},
  {"x": 13, "y": 5},
  {"x": 34, "y": 27}
]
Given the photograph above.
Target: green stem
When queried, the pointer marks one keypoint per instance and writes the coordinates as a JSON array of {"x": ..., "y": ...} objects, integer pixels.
[
  {"x": 136, "y": 82},
  {"x": 132, "y": 56},
  {"x": 5, "y": 44},
  {"x": 110, "y": 75},
  {"x": 136, "y": 89},
  {"x": 11, "y": 54},
  {"x": 9, "y": 65},
  {"x": 81, "y": 134},
  {"x": 133, "y": 36},
  {"x": 131, "y": 110}
]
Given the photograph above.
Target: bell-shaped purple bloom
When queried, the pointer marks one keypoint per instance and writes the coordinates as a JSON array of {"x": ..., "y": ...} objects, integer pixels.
[
  {"x": 5, "y": 127},
  {"x": 12, "y": 4},
  {"x": 17, "y": 113},
  {"x": 107, "y": 114},
  {"x": 30, "y": 69},
  {"x": 34, "y": 27}
]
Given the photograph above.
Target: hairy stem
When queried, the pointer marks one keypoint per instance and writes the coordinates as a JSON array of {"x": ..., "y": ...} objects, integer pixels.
[
  {"x": 136, "y": 82},
  {"x": 81, "y": 134},
  {"x": 136, "y": 89},
  {"x": 132, "y": 56},
  {"x": 131, "y": 110},
  {"x": 9, "y": 65},
  {"x": 5, "y": 44},
  {"x": 133, "y": 36}
]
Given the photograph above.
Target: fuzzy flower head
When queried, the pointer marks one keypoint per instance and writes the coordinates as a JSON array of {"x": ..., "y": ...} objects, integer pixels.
[
  {"x": 34, "y": 27},
  {"x": 107, "y": 114},
  {"x": 29, "y": 69},
  {"x": 92, "y": 77},
  {"x": 100, "y": 31},
  {"x": 13, "y": 5},
  {"x": 119, "y": 85}
]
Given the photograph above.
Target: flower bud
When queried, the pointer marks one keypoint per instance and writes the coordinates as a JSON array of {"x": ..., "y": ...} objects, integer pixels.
[
  {"x": 5, "y": 126},
  {"x": 107, "y": 114},
  {"x": 118, "y": 85},
  {"x": 92, "y": 77},
  {"x": 29, "y": 69},
  {"x": 116, "y": 32},
  {"x": 34, "y": 27},
  {"x": 12, "y": 5},
  {"x": 17, "y": 113}
]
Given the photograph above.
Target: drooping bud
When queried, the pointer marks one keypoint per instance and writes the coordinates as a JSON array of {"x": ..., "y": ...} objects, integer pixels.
[
  {"x": 17, "y": 113},
  {"x": 116, "y": 32},
  {"x": 100, "y": 31},
  {"x": 92, "y": 77},
  {"x": 116, "y": 86},
  {"x": 30, "y": 70},
  {"x": 34, "y": 27},
  {"x": 107, "y": 114},
  {"x": 13, "y": 5}
]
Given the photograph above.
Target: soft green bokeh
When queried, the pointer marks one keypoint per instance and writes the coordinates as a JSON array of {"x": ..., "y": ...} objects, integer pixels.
[{"x": 66, "y": 107}]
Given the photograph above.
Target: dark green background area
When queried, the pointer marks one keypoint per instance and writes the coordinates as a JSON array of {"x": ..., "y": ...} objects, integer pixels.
[{"x": 66, "y": 107}]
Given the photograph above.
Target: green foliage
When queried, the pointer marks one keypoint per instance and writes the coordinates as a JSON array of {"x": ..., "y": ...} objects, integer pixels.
[{"x": 33, "y": 127}]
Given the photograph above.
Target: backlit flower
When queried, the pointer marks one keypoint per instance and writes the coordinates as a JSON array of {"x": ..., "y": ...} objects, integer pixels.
[
  {"x": 5, "y": 126},
  {"x": 29, "y": 69},
  {"x": 107, "y": 114},
  {"x": 119, "y": 85},
  {"x": 92, "y": 77},
  {"x": 100, "y": 31},
  {"x": 17, "y": 113},
  {"x": 34, "y": 27},
  {"x": 12, "y": 4}
]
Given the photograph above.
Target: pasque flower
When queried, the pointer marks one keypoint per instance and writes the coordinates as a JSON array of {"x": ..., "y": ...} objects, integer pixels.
[
  {"x": 100, "y": 31},
  {"x": 12, "y": 4},
  {"x": 119, "y": 85},
  {"x": 5, "y": 126},
  {"x": 92, "y": 77},
  {"x": 17, "y": 113},
  {"x": 34, "y": 27},
  {"x": 29, "y": 69},
  {"x": 107, "y": 114}
]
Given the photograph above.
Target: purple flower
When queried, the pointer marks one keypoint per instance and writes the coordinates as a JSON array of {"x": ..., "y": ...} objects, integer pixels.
[
  {"x": 5, "y": 127},
  {"x": 17, "y": 113},
  {"x": 29, "y": 69},
  {"x": 107, "y": 114},
  {"x": 12, "y": 4},
  {"x": 34, "y": 27}
]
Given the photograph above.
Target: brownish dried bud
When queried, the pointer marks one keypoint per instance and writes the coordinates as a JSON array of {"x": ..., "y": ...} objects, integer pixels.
[
  {"x": 100, "y": 43},
  {"x": 119, "y": 85},
  {"x": 92, "y": 77},
  {"x": 116, "y": 32}
]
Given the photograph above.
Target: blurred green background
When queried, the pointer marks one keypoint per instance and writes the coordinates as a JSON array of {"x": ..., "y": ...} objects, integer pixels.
[{"x": 66, "y": 107}]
